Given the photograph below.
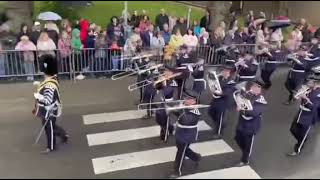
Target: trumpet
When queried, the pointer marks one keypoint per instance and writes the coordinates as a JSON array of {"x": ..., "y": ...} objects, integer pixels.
[
  {"x": 213, "y": 82},
  {"x": 130, "y": 73},
  {"x": 242, "y": 102},
  {"x": 304, "y": 90}
]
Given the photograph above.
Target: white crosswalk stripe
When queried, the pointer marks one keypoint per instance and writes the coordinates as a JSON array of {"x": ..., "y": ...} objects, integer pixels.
[
  {"x": 150, "y": 157},
  {"x": 130, "y": 134}
]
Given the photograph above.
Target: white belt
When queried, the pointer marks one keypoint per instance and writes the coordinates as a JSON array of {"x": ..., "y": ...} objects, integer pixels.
[
  {"x": 229, "y": 60},
  {"x": 170, "y": 99},
  {"x": 304, "y": 108},
  {"x": 245, "y": 77},
  {"x": 272, "y": 62},
  {"x": 199, "y": 80},
  {"x": 246, "y": 117},
  {"x": 299, "y": 71},
  {"x": 186, "y": 127},
  {"x": 181, "y": 68}
]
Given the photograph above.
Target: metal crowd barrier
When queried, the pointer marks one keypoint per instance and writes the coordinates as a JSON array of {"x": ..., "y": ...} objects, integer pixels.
[{"x": 26, "y": 64}]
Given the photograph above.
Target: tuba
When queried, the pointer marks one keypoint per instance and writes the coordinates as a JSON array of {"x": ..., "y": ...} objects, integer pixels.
[{"x": 213, "y": 82}]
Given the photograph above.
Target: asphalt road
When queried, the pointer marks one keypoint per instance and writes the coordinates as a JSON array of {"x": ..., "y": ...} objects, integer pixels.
[{"x": 21, "y": 159}]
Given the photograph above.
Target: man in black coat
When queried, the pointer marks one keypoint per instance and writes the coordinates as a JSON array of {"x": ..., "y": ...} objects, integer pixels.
[
  {"x": 161, "y": 19},
  {"x": 35, "y": 33}
]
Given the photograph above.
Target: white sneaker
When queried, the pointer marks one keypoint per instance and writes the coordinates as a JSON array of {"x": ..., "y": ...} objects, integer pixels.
[{"x": 80, "y": 77}]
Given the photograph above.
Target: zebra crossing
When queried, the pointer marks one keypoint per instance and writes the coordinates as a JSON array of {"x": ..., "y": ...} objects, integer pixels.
[{"x": 102, "y": 165}]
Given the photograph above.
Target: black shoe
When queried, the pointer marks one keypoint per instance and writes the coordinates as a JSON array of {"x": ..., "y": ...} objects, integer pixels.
[
  {"x": 65, "y": 139},
  {"x": 47, "y": 151},
  {"x": 293, "y": 154},
  {"x": 287, "y": 103},
  {"x": 241, "y": 164},
  {"x": 198, "y": 159},
  {"x": 174, "y": 175},
  {"x": 217, "y": 136}
]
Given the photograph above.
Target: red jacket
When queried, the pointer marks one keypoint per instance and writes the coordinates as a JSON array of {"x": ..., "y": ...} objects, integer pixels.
[{"x": 84, "y": 26}]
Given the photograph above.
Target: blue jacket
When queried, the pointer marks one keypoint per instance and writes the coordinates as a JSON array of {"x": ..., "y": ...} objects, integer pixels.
[
  {"x": 251, "y": 70},
  {"x": 187, "y": 130},
  {"x": 166, "y": 36},
  {"x": 145, "y": 37},
  {"x": 308, "y": 112},
  {"x": 250, "y": 121},
  {"x": 298, "y": 71}
]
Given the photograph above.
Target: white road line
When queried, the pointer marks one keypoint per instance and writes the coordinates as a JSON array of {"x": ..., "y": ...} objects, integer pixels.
[
  {"x": 245, "y": 172},
  {"x": 154, "y": 156},
  {"x": 131, "y": 134},
  {"x": 113, "y": 116}
]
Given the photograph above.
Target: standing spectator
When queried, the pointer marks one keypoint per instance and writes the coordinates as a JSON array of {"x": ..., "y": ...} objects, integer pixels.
[
  {"x": 304, "y": 30},
  {"x": 181, "y": 25},
  {"x": 115, "y": 55},
  {"x": 166, "y": 34},
  {"x": 239, "y": 36},
  {"x": 45, "y": 45},
  {"x": 229, "y": 38},
  {"x": 172, "y": 22},
  {"x": 147, "y": 36},
  {"x": 77, "y": 46},
  {"x": 233, "y": 20},
  {"x": 190, "y": 40},
  {"x": 52, "y": 33},
  {"x": 249, "y": 19},
  {"x": 64, "y": 46},
  {"x": 84, "y": 26},
  {"x": 135, "y": 19},
  {"x": 176, "y": 40},
  {"x": 114, "y": 30},
  {"x": 205, "y": 20},
  {"x": 196, "y": 28},
  {"x": 161, "y": 19},
  {"x": 202, "y": 31},
  {"x": 157, "y": 43},
  {"x": 216, "y": 39},
  {"x": 101, "y": 46},
  {"x": 294, "y": 40},
  {"x": 133, "y": 42},
  {"x": 204, "y": 39},
  {"x": 144, "y": 13},
  {"x": 277, "y": 37},
  {"x": 260, "y": 42},
  {"x": 34, "y": 36},
  {"x": 27, "y": 47},
  {"x": 24, "y": 31},
  {"x": 90, "y": 42},
  {"x": 220, "y": 30},
  {"x": 144, "y": 23}
]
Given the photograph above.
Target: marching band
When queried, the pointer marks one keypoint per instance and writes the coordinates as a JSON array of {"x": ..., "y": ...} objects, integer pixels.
[{"x": 167, "y": 91}]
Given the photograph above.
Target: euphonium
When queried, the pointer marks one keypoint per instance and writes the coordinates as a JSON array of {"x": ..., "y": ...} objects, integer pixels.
[
  {"x": 213, "y": 82},
  {"x": 304, "y": 90},
  {"x": 242, "y": 102}
]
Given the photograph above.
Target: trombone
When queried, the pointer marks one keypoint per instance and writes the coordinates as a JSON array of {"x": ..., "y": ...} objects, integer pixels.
[
  {"x": 173, "y": 107},
  {"x": 144, "y": 106},
  {"x": 161, "y": 78},
  {"x": 130, "y": 73}
]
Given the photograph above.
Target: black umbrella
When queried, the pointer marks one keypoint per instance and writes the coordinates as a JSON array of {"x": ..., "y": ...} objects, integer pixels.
[{"x": 279, "y": 22}]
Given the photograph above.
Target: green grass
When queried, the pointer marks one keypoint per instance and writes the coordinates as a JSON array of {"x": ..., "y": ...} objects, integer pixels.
[{"x": 101, "y": 11}]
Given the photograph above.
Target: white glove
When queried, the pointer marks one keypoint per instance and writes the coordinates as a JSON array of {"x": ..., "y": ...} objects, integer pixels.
[
  {"x": 36, "y": 83},
  {"x": 38, "y": 96}
]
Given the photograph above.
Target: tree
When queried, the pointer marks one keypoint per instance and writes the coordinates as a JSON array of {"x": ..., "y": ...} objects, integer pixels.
[
  {"x": 219, "y": 11},
  {"x": 18, "y": 12}
]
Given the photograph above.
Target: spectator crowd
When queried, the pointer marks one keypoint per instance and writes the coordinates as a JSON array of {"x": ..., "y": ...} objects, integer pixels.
[{"x": 86, "y": 39}]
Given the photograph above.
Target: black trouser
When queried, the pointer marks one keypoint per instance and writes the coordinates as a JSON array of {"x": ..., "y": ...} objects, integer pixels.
[
  {"x": 265, "y": 76},
  {"x": 245, "y": 142},
  {"x": 52, "y": 130},
  {"x": 300, "y": 133},
  {"x": 217, "y": 116},
  {"x": 182, "y": 152}
]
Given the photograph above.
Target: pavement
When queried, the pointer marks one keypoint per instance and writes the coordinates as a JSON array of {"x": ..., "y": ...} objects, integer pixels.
[{"x": 21, "y": 159}]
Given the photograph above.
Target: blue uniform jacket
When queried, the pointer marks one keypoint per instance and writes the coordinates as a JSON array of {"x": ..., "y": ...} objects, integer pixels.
[
  {"x": 251, "y": 70},
  {"x": 308, "y": 112},
  {"x": 250, "y": 121},
  {"x": 187, "y": 126}
]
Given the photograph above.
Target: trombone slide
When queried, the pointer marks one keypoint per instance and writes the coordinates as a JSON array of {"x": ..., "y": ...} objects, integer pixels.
[
  {"x": 143, "y": 83},
  {"x": 145, "y": 106}
]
